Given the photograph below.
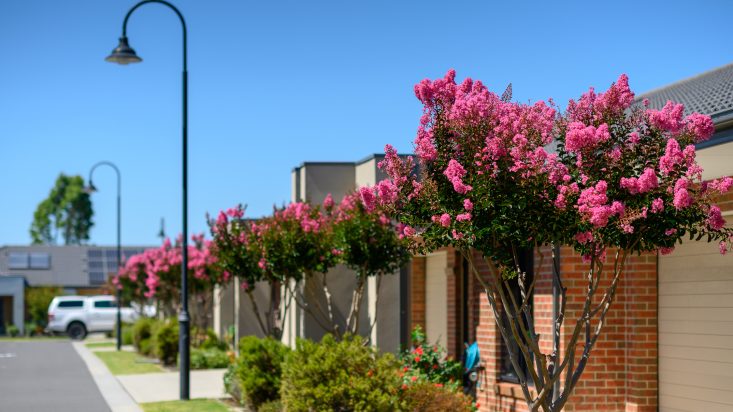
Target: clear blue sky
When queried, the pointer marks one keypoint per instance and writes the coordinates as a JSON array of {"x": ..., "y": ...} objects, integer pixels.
[{"x": 276, "y": 83}]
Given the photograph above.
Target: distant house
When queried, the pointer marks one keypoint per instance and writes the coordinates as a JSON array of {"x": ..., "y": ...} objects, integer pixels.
[{"x": 76, "y": 269}]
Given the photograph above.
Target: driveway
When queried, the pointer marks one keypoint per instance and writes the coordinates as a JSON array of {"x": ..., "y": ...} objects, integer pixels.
[{"x": 46, "y": 376}]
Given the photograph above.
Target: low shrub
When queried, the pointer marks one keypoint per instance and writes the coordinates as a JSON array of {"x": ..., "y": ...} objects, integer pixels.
[
  {"x": 428, "y": 363},
  {"x": 37, "y": 301},
  {"x": 434, "y": 397},
  {"x": 231, "y": 383},
  {"x": 338, "y": 376},
  {"x": 258, "y": 370},
  {"x": 209, "y": 359},
  {"x": 210, "y": 340},
  {"x": 271, "y": 406},
  {"x": 12, "y": 330},
  {"x": 142, "y": 330},
  {"x": 165, "y": 342},
  {"x": 126, "y": 334}
]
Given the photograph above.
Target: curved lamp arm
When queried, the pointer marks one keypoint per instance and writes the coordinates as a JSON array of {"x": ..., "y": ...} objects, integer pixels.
[{"x": 172, "y": 7}]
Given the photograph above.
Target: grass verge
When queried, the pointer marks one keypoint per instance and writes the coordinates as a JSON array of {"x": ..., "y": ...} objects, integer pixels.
[
  {"x": 33, "y": 338},
  {"x": 93, "y": 345},
  {"x": 194, "y": 405},
  {"x": 127, "y": 363}
]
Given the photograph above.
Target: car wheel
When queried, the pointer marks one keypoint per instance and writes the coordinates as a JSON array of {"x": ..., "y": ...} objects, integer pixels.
[{"x": 76, "y": 331}]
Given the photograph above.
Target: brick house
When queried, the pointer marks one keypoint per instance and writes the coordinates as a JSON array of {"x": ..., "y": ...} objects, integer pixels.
[{"x": 668, "y": 340}]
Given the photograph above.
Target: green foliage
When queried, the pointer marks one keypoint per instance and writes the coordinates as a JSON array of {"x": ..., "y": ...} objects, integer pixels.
[
  {"x": 434, "y": 397},
  {"x": 165, "y": 342},
  {"x": 271, "y": 406},
  {"x": 142, "y": 332},
  {"x": 231, "y": 382},
  {"x": 333, "y": 376},
  {"x": 259, "y": 368},
  {"x": 37, "y": 300},
  {"x": 12, "y": 330},
  {"x": 428, "y": 363},
  {"x": 209, "y": 358},
  {"x": 126, "y": 334},
  {"x": 208, "y": 340},
  {"x": 369, "y": 241},
  {"x": 67, "y": 209}
]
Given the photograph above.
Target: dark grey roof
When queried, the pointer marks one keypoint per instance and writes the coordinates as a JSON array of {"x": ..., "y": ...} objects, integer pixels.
[{"x": 709, "y": 93}]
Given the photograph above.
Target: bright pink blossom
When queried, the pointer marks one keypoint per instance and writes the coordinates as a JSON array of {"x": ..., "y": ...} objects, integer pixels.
[
  {"x": 455, "y": 173},
  {"x": 463, "y": 217},
  {"x": 580, "y": 137},
  {"x": 669, "y": 118},
  {"x": 701, "y": 126},
  {"x": 715, "y": 218},
  {"x": 445, "y": 220}
]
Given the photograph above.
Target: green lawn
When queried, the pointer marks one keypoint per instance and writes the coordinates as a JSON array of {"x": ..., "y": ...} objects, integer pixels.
[
  {"x": 93, "y": 345},
  {"x": 194, "y": 405},
  {"x": 32, "y": 339},
  {"x": 127, "y": 363}
]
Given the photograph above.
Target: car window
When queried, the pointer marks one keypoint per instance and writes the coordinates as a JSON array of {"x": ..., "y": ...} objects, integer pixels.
[
  {"x": 71, "y": 304},
  {"x": 104, "y": 304}
]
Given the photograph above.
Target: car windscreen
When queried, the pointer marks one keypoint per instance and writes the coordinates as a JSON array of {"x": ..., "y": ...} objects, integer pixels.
[{"x": 68, "y": 304}]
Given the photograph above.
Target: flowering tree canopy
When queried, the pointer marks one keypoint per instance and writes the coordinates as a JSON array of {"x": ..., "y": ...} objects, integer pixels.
[
  {"x": 498, "y": 177},
  {"x": 156, "y": 273},
  {"x": 303, "y": 242}
]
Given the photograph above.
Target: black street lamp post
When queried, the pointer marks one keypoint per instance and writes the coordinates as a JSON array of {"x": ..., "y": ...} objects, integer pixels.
[
  {"x": 90, "y": 189},
  {"x": 124, "y": 54}
]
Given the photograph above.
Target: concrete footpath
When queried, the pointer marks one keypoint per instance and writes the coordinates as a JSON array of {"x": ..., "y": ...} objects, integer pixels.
[
  {"x": 114, "y": 394},
  {"x": 124, "y": 392},
  {"x": 165, "y": 386}
]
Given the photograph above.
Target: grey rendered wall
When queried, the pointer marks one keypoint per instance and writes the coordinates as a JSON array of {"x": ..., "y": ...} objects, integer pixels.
[
  {"x": 68, "y": 265},
  {"x": 14, "y": 286}
]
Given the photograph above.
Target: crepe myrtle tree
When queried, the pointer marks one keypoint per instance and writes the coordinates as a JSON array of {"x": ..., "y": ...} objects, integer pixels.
[
  {"x": 294, "y": 249},
  {"x": 155, "y": 274},
  {"x": 622, "y": 180},
  {"x": 277, "y": 249}
]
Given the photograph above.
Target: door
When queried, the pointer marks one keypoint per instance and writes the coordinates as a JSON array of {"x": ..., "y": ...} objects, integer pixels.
[{"x": 696, "y": 329}]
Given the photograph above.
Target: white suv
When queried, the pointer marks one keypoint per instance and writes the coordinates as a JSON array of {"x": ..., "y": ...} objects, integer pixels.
[{"x": 79, "y": 315}]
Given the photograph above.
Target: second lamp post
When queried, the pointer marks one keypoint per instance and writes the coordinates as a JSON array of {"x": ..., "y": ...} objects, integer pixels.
[{"x": 90, "y": 189}]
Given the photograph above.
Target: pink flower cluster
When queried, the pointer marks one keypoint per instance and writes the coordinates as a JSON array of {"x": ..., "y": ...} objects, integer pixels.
[
  {"x": 455, "y": 173},
  {"x": 580, "y": 138},
  {"x": 644, "y": 183}
]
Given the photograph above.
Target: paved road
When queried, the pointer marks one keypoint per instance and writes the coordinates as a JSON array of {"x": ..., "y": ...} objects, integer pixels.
[{"x": 46, "y": 376}]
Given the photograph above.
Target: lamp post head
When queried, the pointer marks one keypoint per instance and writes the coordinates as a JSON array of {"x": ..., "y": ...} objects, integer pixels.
[
  {"x": 123, "y": 53},
  {"x": 91, "y": 188}
]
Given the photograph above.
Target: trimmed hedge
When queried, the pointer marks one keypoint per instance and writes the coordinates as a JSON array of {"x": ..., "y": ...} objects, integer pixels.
[
  {"x": 346, "y": 375},
  {"x": 258, "y": 369},
  {"x": 165, "y": 342},
  {"x": 209, "y": 359}
]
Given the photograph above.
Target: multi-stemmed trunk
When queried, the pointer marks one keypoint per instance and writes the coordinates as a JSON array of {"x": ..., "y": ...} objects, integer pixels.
[{"x": 515, "y": 323}]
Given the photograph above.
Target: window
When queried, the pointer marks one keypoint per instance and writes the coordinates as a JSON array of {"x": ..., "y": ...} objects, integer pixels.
[
  {"x": 104, "y": 304},
  {"x": 40, "y": 261},
  {"x": 94, "y": 254},
  {"x": 71, "y": 304},
  {"x": 96, "y": 264},
  {"x": 17, "y": 260},
  {"x": 507, "y": 372},
  {"x": 97, "y": 277}
]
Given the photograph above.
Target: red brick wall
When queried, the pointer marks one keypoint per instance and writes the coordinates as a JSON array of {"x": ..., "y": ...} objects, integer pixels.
[
  {"x": 622, "y": 372},
  {"x": 417, "y": 292}
]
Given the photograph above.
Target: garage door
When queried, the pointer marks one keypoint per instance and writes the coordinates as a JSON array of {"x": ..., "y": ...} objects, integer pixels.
[
  {"x": 436, "y": 308},
  {"x": 696, "y": 329}
]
